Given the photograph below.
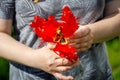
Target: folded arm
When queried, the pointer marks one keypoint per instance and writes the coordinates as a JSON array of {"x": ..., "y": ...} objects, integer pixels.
[{"x": 109, "y": 27}]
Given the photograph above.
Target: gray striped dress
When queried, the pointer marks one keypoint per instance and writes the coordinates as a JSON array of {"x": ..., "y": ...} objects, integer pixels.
[{"x": 94, "y": 62}]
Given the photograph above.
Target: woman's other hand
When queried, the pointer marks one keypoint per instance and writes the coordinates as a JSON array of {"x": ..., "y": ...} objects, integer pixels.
[{"x": 82, "y": 38}]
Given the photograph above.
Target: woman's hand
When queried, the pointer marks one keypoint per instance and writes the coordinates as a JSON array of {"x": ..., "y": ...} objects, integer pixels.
[
  {"x": 50, "y": 62},
  {"x": 82, "y": 38}
]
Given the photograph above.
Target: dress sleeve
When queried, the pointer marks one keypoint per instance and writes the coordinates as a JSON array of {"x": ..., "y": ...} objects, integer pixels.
[{"x": 7, "y": 9}]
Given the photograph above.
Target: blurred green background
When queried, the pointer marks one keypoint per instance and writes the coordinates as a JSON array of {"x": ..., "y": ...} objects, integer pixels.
[{"x": 113, "y": 47}]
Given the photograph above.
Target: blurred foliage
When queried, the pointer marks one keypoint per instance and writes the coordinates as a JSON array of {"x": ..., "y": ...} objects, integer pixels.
[
  {"x": 4, "y": 69},
  {"x": 113, "y": 47},
  {"x": 114, "y": 56}
]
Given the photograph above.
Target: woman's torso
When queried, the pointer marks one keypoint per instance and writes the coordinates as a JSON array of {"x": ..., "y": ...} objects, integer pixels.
[{"x": 89, "y": 11}]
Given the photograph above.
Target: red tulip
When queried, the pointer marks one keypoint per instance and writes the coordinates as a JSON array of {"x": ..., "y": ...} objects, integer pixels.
[{"x": 51, "y": 30}]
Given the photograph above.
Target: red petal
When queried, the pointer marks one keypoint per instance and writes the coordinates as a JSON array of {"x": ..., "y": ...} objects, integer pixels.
[
  {"x": 71, "y": 24},
  {"x": 64, "y": 50}
]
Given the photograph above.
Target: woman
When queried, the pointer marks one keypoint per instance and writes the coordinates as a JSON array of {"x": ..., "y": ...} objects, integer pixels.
[
  {"x": 43, "y": 63},
  {"x": 93, "y": 65}
]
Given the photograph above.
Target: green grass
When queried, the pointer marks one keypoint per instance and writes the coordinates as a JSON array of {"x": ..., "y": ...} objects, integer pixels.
[{"x": 114, "y": 58}]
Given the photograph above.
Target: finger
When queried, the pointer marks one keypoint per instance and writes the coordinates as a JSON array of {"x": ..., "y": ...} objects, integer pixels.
[
  {"x": 86, "y": 45},
  {"x": 62, "y": 68},
  {"x": 59, "y": 68},
  {"x": 66, "y": 68},
  {"x": 82, "y": 31},
  {"x": 86, "y": 39},
  {"x": 83, "y": 46},
  {"x": 62, "y": 61},
  {"x": 82, "y": 39},
  {"x": 60, "y": 76},
  {"x": 82, "y": 49},
  {"x": 54, "y": 55},
  {"x": 53, "y": 58}
]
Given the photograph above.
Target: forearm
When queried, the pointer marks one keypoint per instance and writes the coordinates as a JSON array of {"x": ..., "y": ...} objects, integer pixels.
[
  {"x": 109, "y": 27},
  {"x": 105, "y": 29},
  {"x": 12, "y": 50}
]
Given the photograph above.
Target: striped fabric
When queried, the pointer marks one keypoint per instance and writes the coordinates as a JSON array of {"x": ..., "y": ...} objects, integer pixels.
[{"x": 94, "y": 63}]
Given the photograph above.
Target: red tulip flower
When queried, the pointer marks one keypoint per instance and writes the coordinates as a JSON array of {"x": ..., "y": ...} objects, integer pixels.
[{"x": 51, "y": 30}]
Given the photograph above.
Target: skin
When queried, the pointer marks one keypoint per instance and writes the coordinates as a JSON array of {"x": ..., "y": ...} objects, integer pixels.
[{"x": 100, "y": 31}]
